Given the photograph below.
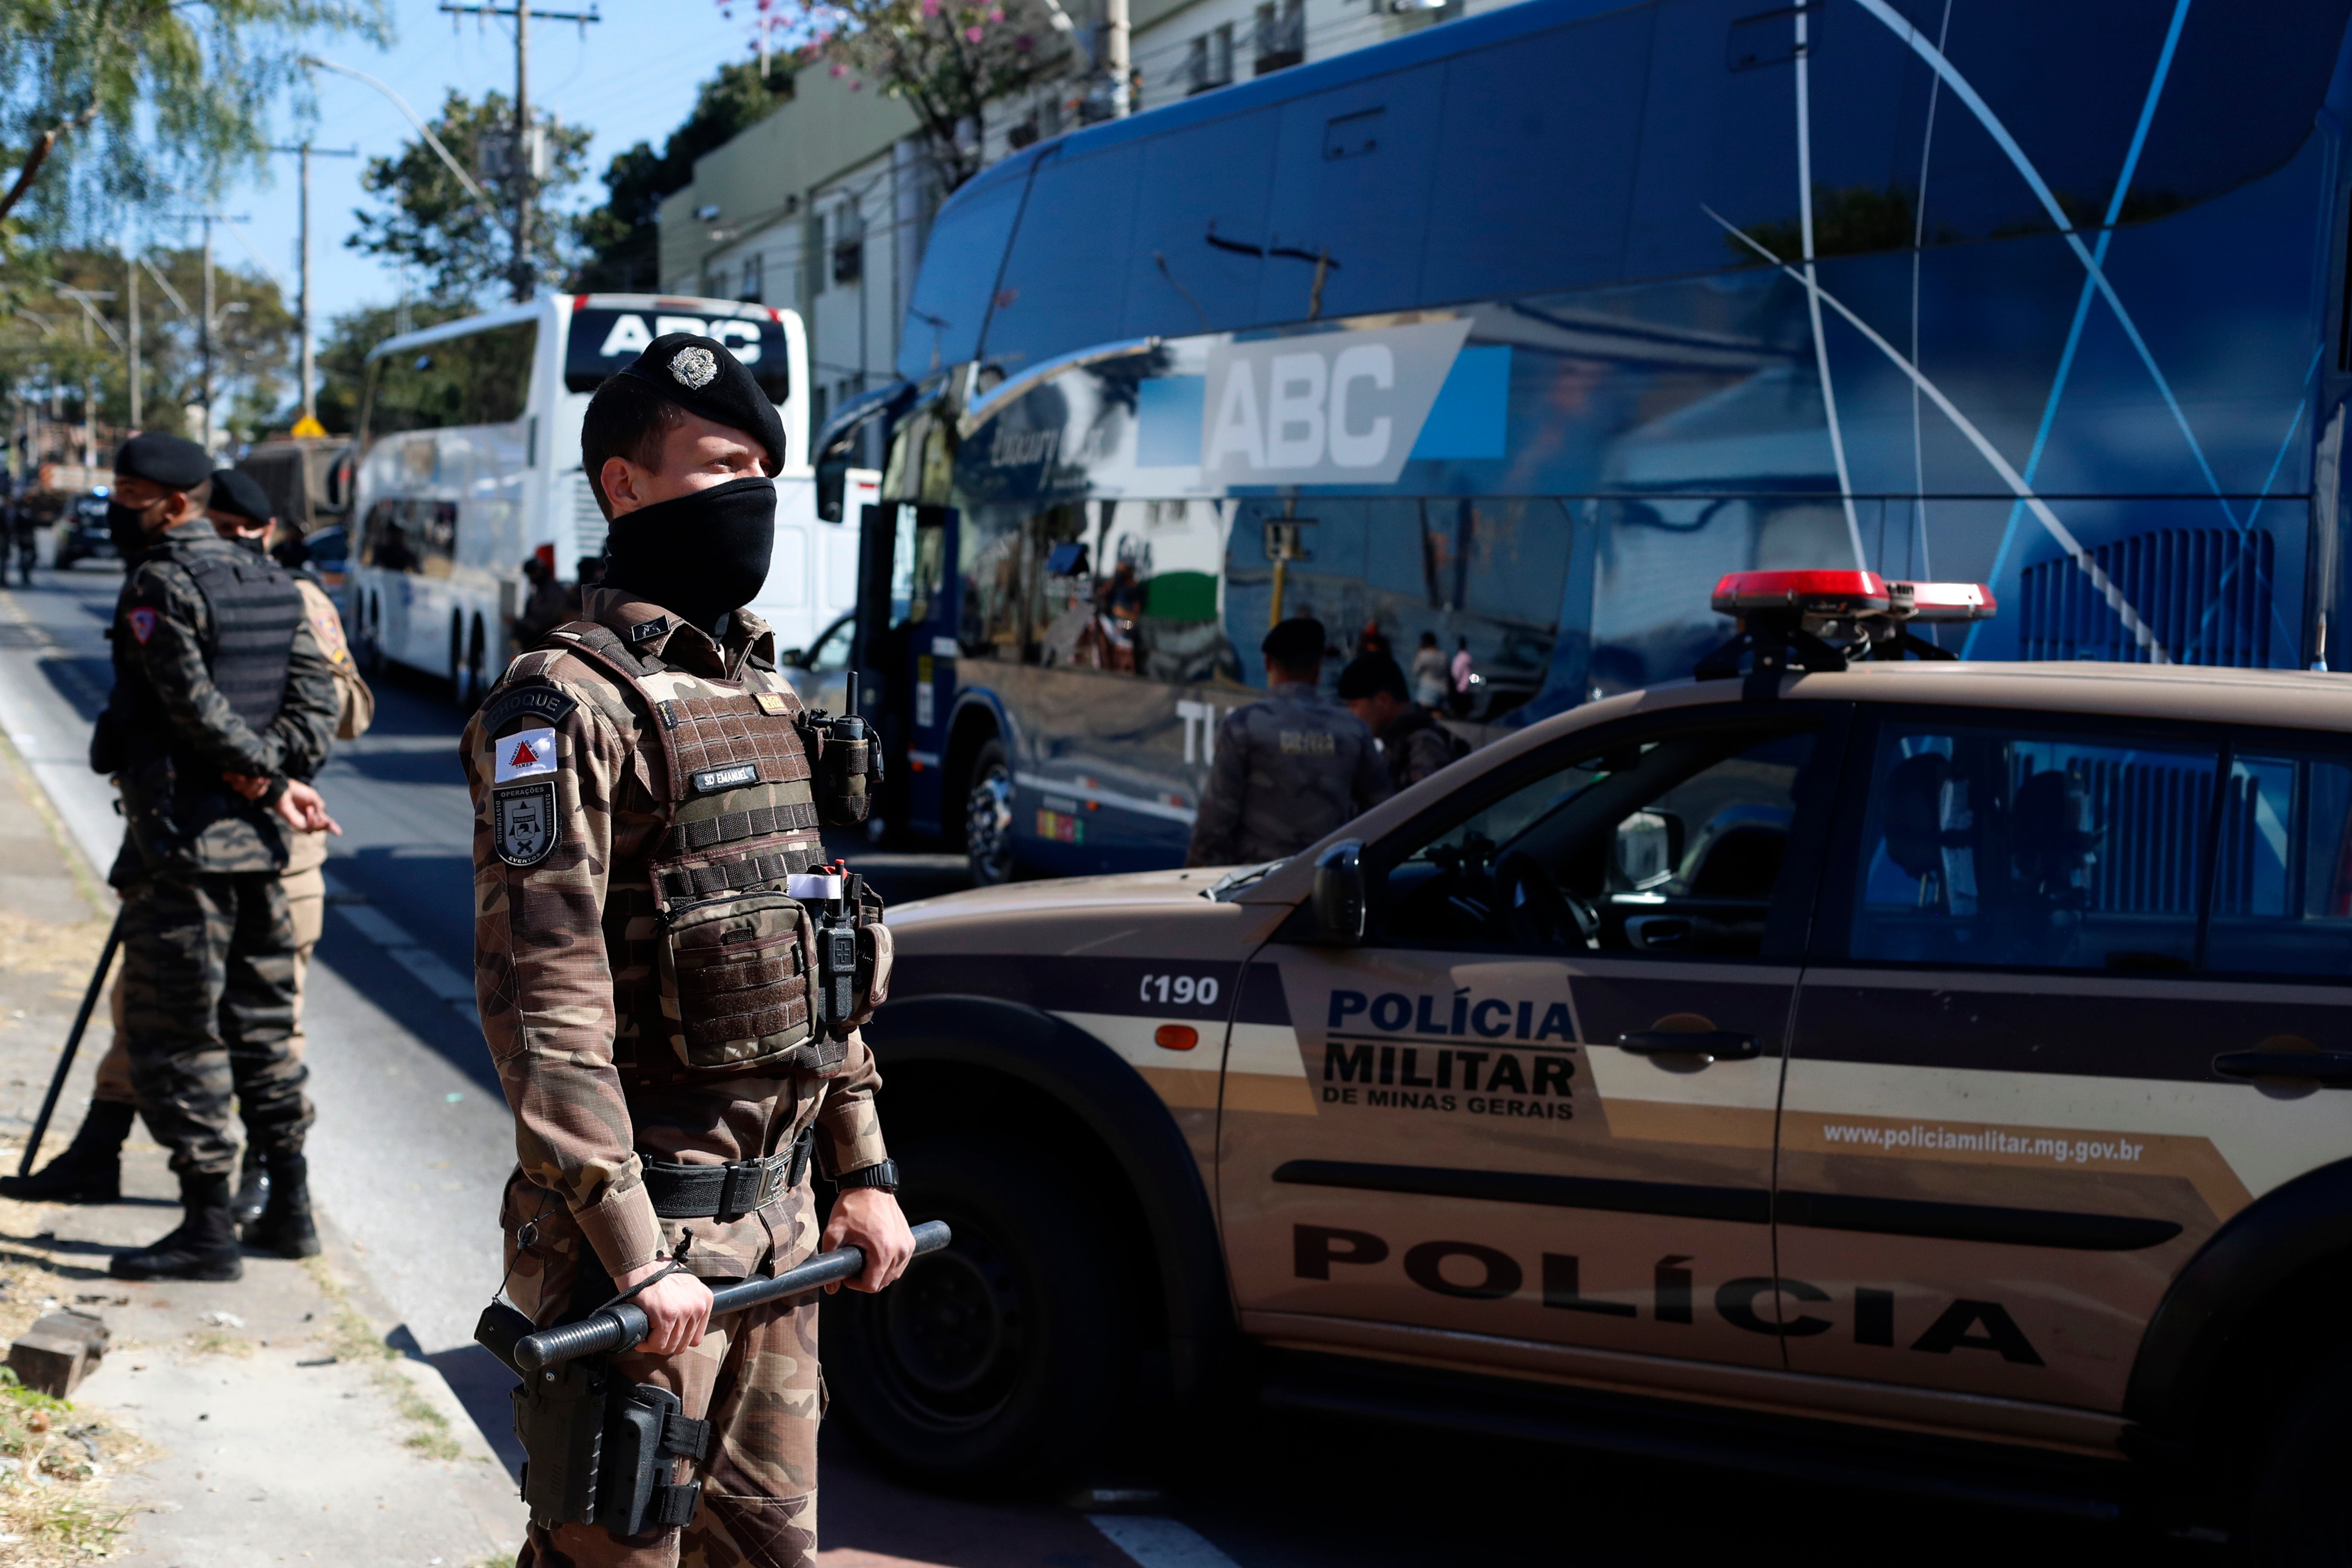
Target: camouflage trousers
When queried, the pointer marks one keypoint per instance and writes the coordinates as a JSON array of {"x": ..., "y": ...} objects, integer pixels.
[
  {"x": 306, "y": 901},
  {"x": 209, "y": 989},
  {"x": 754, "y": 1377}
]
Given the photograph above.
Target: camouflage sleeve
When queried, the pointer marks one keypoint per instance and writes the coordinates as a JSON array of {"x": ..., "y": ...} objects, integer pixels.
[
  {"x": 1426, "y": 751},
  {"x": 542, "y": 841},
  {"x": 311, "y": 708},
  {"x": 165, "y": 617},
  {"x": 849, "y": 1132},
  {"x": 1217, "y": 823}
]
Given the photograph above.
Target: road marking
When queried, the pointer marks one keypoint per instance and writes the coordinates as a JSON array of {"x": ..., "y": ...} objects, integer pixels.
[
  {"x": 1156, "y": 1542},
  {"x": 427, "y": 968}
]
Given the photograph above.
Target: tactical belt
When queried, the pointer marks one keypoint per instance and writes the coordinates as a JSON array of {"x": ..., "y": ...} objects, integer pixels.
[
  {"x": 730, "y": 1190},
  {"x": 682, "y": 883}
]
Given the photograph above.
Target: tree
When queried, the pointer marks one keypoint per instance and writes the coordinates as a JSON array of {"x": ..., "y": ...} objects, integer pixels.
[
  {"x": 45, "y": 350},
  {"x": 342, "y": 357},
  {"x": 117, "y": 101},
  {"x": 432, "y": 226},
  {"x": 948, "y": 62},
  {"x": 624, "y": 236}
]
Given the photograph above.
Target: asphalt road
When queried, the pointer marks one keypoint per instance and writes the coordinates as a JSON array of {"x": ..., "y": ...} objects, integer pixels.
[{"x": 413, "y": 1146}]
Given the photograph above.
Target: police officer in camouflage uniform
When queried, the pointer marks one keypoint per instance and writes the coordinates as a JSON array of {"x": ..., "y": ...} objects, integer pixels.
[
  {"x": 1286, "y": 770},
  {"x": 642, "y": 793},
  {"x": 90, "y": 1169},
  {"x": 1412, "y": 743},
  {"x": 222, "y": 704}
]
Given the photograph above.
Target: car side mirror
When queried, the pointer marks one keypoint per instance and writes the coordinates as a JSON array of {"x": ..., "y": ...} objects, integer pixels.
[
  {"x": 795, "y": 656},
  {"x": 1339, "y": 901}
]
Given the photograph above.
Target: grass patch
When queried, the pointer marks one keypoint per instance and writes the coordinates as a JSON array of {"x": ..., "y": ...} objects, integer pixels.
[
  {"x": 219, "y": 1342},
  {"x": 54, "y": 1472}
]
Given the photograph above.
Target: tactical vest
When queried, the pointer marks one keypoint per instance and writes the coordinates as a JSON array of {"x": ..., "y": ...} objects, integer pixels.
[
  {"x": 181, "y": 815},
  {"x": 726, "y": 953}
]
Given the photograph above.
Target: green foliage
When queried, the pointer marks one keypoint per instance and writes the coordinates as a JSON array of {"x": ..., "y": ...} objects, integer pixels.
[
  {"x": 46, "y": 340},
  {"x": 432, "y": 226},
  {"x": 111, "y": 104},
  {"x": 624, "y": 236},
  {"x": 948, "y": 62}
]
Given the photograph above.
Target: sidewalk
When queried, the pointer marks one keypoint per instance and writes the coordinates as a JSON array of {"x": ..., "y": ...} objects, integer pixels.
[{"x": 262, "y": 1421}]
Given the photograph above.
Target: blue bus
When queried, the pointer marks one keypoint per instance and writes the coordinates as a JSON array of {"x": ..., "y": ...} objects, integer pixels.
[{"x": 1520, "y": 330}]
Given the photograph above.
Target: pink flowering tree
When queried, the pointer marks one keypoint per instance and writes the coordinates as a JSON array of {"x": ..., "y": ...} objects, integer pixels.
[{"x": 949, "y": 60}]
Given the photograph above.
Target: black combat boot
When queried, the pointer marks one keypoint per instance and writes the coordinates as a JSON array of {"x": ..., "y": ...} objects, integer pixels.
[
  {"x": 91, "y": 1169},
  {"x": 285, "y": 1226},
  {"x": 252, "y": 1188},
  {"x": 204, "y": 1246}
]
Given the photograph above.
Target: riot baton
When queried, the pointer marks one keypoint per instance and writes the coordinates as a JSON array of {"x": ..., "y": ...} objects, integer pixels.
[
  {"x": 73, "y": 1043},
  {"x": 618, "y": 1328}
]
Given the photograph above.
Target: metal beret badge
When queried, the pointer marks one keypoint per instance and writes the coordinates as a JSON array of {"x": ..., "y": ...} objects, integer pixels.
[{"x": 694, "y": 368}]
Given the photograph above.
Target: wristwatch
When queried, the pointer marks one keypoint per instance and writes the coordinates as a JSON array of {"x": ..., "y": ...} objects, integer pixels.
[{"x": 883, "y": 1175}]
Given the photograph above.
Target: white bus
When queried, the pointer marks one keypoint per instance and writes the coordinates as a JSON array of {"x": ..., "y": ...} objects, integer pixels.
[{"x": 469, "y": 461}]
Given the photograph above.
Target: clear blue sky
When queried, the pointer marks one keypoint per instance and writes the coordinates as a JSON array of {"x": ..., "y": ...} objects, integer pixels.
[{"x": 632, "y": 78}]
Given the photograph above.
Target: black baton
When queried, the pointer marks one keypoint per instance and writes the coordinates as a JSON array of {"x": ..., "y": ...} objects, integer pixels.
[
  {"x": 618, "y": 1328},
  {"x": 73, "y": 1043}
]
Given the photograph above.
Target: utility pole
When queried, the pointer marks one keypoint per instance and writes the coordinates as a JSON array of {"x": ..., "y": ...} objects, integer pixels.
[
  {"x": 131, "y": 284},
  {"x": 207, "y": 320},
  {"x": 87, "y": 298},
  {"x": 309, "y": 366},
  {"x": 1123, "y": 69},
  {"x": 527, "y": 149}
]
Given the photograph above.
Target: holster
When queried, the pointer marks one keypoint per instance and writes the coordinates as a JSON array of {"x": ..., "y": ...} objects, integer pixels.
[{"x": 597, "y": 1449}]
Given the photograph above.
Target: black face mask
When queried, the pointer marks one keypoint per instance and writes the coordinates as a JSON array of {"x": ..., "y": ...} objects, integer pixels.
[
  {"x": 698, "y": 555},
  {"x": 128, "y": 526}
]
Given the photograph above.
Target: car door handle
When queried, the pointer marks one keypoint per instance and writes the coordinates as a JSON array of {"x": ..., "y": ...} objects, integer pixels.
[
  {"x": 1715, "y": 1045},
  {"x": 2333, "y": 1068}
]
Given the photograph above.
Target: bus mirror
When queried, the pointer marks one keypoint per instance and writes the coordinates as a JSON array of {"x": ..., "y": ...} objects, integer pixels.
[
  {"x": 832, "y": 480},
  {"x": 1339, "y": 892}
]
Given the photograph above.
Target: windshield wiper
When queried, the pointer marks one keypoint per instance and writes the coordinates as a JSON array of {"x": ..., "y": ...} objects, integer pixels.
[{"x": 1233, "y": 881}]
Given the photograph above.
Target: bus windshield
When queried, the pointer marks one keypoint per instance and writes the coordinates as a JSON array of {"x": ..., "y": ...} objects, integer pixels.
[{"x": 604, "y": 340}]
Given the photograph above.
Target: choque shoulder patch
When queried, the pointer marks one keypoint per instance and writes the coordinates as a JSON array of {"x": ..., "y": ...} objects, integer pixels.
[
  {"x": 539, "y": 700},
  {"x": 522, "y": 821}
]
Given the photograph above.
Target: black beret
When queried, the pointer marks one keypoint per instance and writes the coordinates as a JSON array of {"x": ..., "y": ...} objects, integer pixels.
[
  {"x": 1296, "y": 642},
  {"x": 1369, "y": 674},
  {"x": 172, "y": 462},
  {"x": 240, "y": 495},
  {"x": 703, "y": 376}
]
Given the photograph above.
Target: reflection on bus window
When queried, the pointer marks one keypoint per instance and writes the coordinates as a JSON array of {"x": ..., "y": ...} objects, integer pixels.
[
  {"x": 1131, "y": 588},
  {"x": 419, "y": 537},
  {"x": 1490, "y": 570},
  {"x": 476, "y": 378}
]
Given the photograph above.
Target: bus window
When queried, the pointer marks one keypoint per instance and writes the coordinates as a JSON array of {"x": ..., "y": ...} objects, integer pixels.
[
  {"x": 1132, "y": 588},
  {"x": 418, "y": 537},
  {"x": 603, "y": 341},
  {"x": 958, "y": 275},
  {"x": 477, "y": 378},
  {"x": 988, "y": 558},
  {"x": 1490, "y": 571}
]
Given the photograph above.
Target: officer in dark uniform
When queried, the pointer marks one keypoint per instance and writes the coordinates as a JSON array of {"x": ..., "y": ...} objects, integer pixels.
[{"x": 223, "y": 703}]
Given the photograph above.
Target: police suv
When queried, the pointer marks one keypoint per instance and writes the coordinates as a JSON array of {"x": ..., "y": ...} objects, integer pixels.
[{"x": 1931, "y": 1063}]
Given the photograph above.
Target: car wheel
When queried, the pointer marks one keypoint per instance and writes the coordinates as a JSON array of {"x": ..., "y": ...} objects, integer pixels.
[
  {"x": 1004, "y": 1358},
  {"x": 2301, "y": 1514},
  {"x": 988, "y": 817}
]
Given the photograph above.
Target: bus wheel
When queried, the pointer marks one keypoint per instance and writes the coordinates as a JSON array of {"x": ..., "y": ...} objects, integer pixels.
[
  {"x": 368, "y": 612},
  {"x": 477, "y": 684},
  {"x": 1003, "y": 1358},
  {"x": 988, "y": 817}
]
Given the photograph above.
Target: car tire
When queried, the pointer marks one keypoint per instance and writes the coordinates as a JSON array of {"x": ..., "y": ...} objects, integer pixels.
[
  {"x": 2300, "y": 1513},
  {"x": 1003, "y": 1360},
  {"x": 988, "y": 817}
]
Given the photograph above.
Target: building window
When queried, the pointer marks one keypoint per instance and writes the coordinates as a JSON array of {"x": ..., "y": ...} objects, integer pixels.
[
  {"x": 1210, "y": 63},
  {"x": 1281, "y": 34},
  {"x": 849, "y": 243},
  {"x": 714, "y": 282},
  {"x": 755, "y": 269}
]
